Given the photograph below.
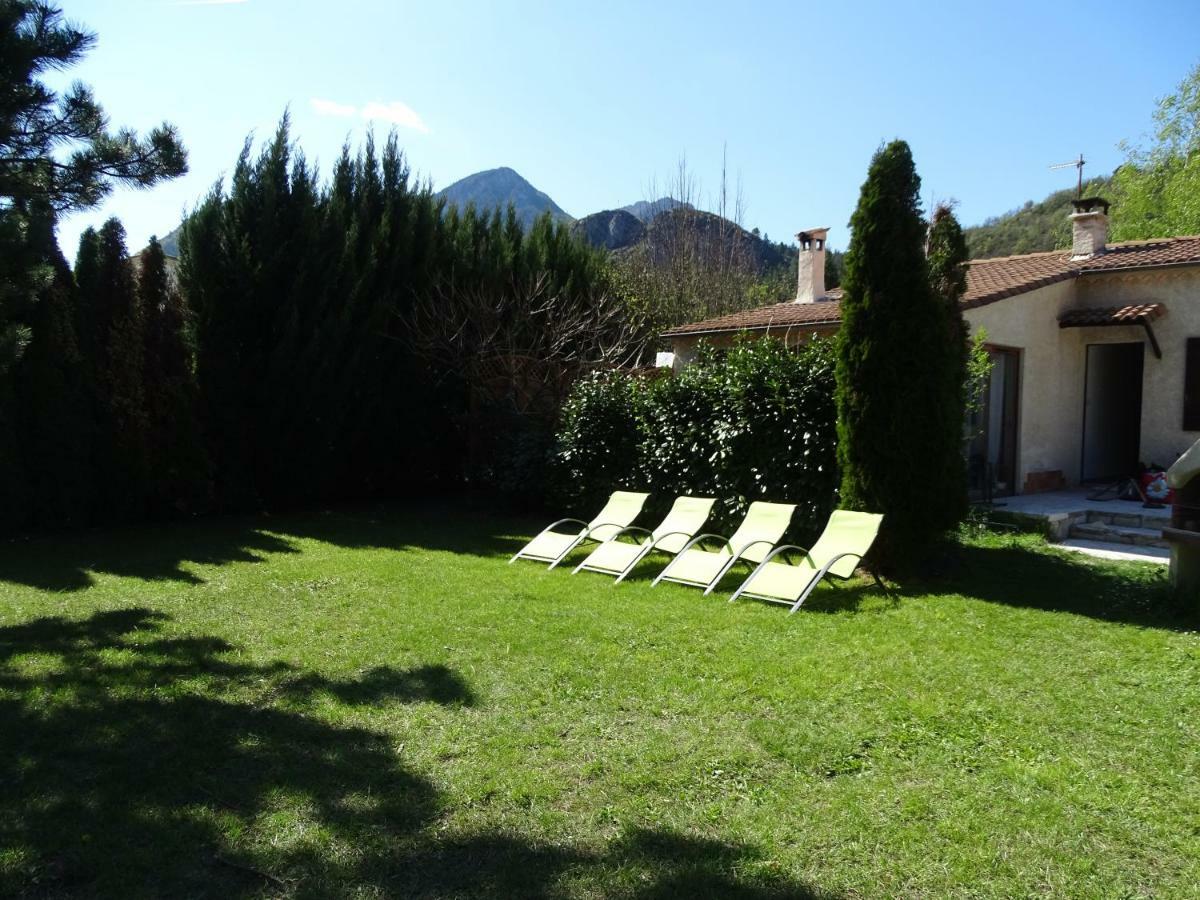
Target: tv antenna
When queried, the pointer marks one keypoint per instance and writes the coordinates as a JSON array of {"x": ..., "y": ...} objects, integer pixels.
[{"x": 1077, "y": 164}]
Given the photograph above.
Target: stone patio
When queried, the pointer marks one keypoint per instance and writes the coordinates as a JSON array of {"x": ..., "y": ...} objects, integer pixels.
[{"x": 1114, "y": 529}]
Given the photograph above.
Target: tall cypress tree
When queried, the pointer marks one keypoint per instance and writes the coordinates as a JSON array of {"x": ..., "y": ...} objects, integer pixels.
[
  {"x": 58, "y": 420},
  {"x": 119, "y": 370},
  {"x": 948, "y": 255},
  {"x": 177, "y": 465},
  {"x": 895, "y": 369}
]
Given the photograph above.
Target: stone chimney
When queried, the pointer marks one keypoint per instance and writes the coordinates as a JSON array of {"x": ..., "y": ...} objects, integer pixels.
[
  {"x": 1089, "y": 227},
  {"x": 810, "y": 283}
]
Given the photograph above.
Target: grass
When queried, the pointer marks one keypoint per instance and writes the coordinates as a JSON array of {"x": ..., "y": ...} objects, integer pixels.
[{"x": 373, "y": 703}]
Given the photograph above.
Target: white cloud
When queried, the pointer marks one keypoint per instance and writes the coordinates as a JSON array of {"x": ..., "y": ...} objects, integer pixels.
[
  {"x": 332, "y": 108},
  {"x": 207, "y": 2},
  {"x": 395, "y": 112}
]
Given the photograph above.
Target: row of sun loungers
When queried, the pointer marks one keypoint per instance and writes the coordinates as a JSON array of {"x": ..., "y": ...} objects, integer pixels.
[{"x": 779, "y": 573}]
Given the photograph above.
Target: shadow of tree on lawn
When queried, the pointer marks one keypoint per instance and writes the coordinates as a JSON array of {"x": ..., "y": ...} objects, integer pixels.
[
  {"x": 64, "y": 562},
  {"x": 1037, "y": 579},
  {"x": 136, "y": 763}
]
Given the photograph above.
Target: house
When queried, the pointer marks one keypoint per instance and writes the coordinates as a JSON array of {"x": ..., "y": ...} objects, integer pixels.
[{"x": 1096, "y": 352}]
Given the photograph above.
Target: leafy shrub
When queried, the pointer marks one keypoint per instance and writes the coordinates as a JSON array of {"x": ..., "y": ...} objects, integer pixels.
[
  {"x": 596, "y": 447},
  {"x": 758, "y": 424}
]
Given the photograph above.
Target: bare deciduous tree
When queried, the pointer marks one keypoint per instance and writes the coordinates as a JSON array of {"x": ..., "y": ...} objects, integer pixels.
[
  {"x": 694, "y": 263},
  {"x": 527, "y": 342}
]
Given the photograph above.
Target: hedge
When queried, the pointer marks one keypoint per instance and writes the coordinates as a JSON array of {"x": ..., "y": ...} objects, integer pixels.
[{"x": 756, "y": 424}]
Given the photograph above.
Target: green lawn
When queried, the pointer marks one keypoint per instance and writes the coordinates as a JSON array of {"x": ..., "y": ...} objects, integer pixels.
[{"x": 373, "y": 703}]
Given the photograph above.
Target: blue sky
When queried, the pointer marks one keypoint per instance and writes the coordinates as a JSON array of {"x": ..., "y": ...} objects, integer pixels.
[{"x": 591, "y": 102}]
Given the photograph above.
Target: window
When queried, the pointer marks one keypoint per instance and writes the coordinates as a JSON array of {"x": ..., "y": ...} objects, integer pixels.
[{"x": 1191, "y": 386}]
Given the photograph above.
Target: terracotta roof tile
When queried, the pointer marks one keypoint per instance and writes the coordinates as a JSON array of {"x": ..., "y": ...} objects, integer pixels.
[
  {"x": 777, "y": 317},
  {"x": 1113, "y": 315},
  {"x": 988, "y": 280}
]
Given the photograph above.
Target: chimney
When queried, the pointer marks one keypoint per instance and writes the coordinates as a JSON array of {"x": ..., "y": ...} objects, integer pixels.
[
  {"x": 810, "y": 282},
  {"x": 1089, "y": 227}
]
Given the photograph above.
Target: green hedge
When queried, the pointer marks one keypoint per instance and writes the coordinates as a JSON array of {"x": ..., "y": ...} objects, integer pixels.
[{"x": 758, "y": 424}]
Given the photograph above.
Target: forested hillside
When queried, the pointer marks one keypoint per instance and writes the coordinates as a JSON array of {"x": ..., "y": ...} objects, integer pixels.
[{"x": 1035, "y": 226}]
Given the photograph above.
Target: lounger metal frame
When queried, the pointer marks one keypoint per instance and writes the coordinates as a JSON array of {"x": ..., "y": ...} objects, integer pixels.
[
  {"x": 721, "y": 573},
  {"x": 810, "y": 587},
  {"x": 584, "y": 535},
  {"x": 647, "y": 548}
]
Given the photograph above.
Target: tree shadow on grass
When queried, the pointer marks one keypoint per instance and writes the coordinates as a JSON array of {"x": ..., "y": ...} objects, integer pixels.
[
  {"x": 831, "y": 596},
  {"x": 136, "y": 763},
  {"x": 1036, "y": 579},
  {"x": 65, "y": 562},
  {"x": 644, "y": 864}
]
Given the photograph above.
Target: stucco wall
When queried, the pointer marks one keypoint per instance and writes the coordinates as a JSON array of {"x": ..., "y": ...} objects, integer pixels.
[
  {"x": 1162, "y": 438},
  {"x": 1053, "y": 362},
  {"x": 1051, "y": 398}
]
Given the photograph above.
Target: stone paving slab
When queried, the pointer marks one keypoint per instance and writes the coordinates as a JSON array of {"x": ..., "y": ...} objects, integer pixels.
[{"x": 1104, "y": 550}]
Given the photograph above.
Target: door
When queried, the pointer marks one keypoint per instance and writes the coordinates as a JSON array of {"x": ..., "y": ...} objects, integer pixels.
[
  {"x": 992, "y": 429},
  {"x": 1112, "y": 411}
]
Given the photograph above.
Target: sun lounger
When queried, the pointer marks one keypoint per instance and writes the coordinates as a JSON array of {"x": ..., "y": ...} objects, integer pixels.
[
  {"x": 552, "y": 546},
  {"x": 619, "y": 557},
  {"x": 764, "y": 525},
  {"x": 839, "y": 551}
]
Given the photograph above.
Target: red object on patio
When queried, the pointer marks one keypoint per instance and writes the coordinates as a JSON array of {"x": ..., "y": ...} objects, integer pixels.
[{"x": 1155, "y": 487}]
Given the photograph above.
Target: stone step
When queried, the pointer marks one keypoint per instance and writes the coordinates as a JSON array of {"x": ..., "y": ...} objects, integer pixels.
[
  {"x": 1124, "y": 552},
  {"x": 1150, "y": 518},
  {"x": 1118, "y": 534}
]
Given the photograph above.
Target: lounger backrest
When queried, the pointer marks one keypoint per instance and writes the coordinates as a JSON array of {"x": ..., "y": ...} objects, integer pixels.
[
  {"x": 846, "y": 532},
  {"x": 684, "y": 521},
  {"x": 620, "y": 510},
  {"x": 764, "y": 522}
]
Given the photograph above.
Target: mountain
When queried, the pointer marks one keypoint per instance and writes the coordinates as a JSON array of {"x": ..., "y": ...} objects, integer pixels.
[
  {"x": 613, "y": 229},
  {"x": 704, "y": 231},
  {"x": 1033, "y": 227},
  {"x": 646, "y": 210},
  {"x": 170, "y": 242},
  {"x": 498, "y": 188},
  {"x": 677, "y": 228}
]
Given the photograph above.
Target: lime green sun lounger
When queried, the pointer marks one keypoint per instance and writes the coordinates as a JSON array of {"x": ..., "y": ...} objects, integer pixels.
[
  {"x": 617, "y": 557},
  {"x": 839, "y": 551},
  {"x": 761, "y": 530},
  {"x": 552, "y": 546}
]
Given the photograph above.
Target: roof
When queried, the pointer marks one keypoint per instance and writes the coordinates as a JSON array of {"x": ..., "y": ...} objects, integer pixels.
[
  {"x": 1133, "y": 314},
  {"x": 988, "y": 280},
  {"x": 778, "y": 315}
]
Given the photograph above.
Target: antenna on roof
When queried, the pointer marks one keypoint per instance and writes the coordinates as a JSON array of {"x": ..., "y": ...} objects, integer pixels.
[{"x": 1077, "y": 164}]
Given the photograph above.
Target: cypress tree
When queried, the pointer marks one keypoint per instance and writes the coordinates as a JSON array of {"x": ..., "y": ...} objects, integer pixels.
[
  {"x": 177, "y": 466},
  {"x": 58, "y": 420},
  {"x": 894, "y": 371},
  {"x": 948, "y": 255},
  {"x": 120, "y": 326}
]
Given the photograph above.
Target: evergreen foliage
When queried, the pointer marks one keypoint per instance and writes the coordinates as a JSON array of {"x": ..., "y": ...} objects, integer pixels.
[
  {"x": 345, "y": 331},
  {"x": 756, "y": 424},
  {"x": 1156, "y": 193},
  {"x": 947, "y": 254},
  {"x": 324, "y": 341},
  {"x": 898, "y": 389},
  {"x": 57, "y": 424},
  {"x": 1035, "y": 227},
  {"x": 176, "y": 456},
  {"x": 122, "y": 468},
  {"x": 57, "y": 153}
]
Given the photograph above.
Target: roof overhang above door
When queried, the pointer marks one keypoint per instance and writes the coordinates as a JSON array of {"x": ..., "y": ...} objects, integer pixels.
[{"x": 1115, "y": 316}]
